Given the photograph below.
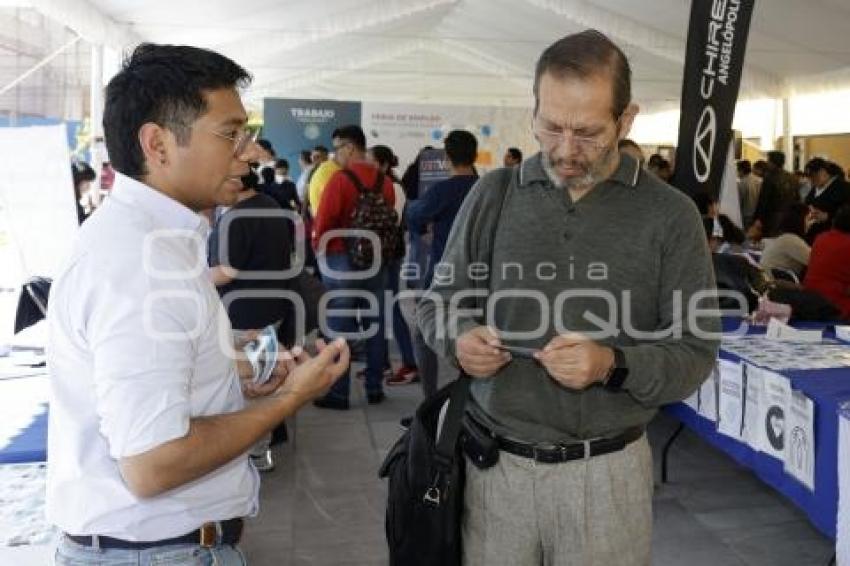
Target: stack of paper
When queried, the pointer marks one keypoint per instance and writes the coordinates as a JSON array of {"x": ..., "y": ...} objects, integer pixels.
[
  {"x": 777, "y": 330},
  {"x": 842, "y": 545}
]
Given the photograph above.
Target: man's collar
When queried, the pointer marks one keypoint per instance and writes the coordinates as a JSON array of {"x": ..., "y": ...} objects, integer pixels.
[
  {"x": 532, "y": 171},
  {"x": 166, "y": 212}
]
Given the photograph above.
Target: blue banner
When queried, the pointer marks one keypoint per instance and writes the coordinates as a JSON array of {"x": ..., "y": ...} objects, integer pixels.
[
  {"x": 293, "y": 125},
  {"x": 433, "y": 168}
]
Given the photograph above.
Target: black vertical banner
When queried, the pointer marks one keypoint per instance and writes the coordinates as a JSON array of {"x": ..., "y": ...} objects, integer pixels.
[{"x": 717, "y": 41}]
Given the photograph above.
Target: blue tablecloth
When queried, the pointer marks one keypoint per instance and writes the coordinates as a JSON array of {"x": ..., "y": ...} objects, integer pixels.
[
  {"x": 827, "y": 389},
  {"x": 30, "y": 445},
  {"x": 23, "y": 406}
]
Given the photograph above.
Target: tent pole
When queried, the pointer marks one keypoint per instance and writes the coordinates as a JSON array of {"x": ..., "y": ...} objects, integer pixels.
[
  {"x": 787, "y": 140},
  {"x": 96, "y": 157}
]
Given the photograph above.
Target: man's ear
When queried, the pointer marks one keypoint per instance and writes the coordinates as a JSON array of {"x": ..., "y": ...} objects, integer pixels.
[
  {"x": 627, "y": 119},
  {"x": 152, "y": 139}
]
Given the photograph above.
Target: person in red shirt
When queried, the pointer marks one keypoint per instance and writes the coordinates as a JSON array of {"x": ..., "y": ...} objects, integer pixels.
[
  {"x": 829, "y": 264},
  {"x": 338, "y": 203}
]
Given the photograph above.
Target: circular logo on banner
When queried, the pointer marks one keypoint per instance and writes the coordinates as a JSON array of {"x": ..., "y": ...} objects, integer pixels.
[
  {"x": 704, "y": 139},
  {"x": 775, "y": 427},
  {"x": 312, "y": 131}
]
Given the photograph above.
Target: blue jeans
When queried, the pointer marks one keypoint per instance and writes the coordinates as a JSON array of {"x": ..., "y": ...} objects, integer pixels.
[
  {"x": 376, "y": 345},
  {"x": 401, "y": 330},
  {"x": 69, "y": 553}
]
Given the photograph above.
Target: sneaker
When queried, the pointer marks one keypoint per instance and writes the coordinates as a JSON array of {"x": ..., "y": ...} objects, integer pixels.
[
  {"x": 404, "y": 375},
  {"x": 334, "y": 403},
  {"x": 263, "y": 462},
  {"x": 375, "y": 398}
]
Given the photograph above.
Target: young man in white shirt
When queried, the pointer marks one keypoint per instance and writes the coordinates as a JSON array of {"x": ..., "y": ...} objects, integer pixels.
[{"x": 149, "y": 433}]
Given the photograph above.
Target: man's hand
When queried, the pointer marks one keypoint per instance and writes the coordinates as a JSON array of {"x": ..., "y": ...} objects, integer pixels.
[
  {"x": 575, "y": 361},
  {"x": 478, "y": 354},
  {"x": 754, "y": 233},
  {"x": 313, "y": 376}
]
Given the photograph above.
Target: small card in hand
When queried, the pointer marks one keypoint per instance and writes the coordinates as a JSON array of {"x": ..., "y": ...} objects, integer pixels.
[{"x": 262, "y": 353}]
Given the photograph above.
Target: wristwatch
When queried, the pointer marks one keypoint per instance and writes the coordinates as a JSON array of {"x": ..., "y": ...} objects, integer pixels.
[{"x": 618, "y": 372}]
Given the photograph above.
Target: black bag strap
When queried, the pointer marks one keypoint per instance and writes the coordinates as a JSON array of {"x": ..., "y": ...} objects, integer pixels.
[
  {"x": 452, "y": 423},
  {"x": 355, "y": 180}
]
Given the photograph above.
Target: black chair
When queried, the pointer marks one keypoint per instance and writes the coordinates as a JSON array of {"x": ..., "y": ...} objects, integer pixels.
[{"x": 32, "y": 304}]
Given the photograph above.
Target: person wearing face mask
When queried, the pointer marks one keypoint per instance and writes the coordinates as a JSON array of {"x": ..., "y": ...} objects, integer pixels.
[
  {"x": 267, "y": 158},
  {"x": 586, "y": 267}
]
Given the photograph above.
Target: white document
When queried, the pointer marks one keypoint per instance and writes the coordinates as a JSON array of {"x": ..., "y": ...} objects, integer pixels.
[
  {"x": 693, "y": 401},
  {"x": 842, "y": 332},
  {"x": 731, "y": 399},
  {"x": 753, "y": 407},
  {"x": 777, "y": 330},
  {"x": 842, "y": 544},
  {"x": 800, "y": 440},
  {"x": 708, "y": 395},
  {"x": 777, "y": 398}
]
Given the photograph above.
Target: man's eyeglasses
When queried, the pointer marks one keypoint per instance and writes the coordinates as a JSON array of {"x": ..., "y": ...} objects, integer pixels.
[
  {"x": 241, "y": 140},
  {"x": 340, "y": 146},
  {"x": 587, "y": 144}
]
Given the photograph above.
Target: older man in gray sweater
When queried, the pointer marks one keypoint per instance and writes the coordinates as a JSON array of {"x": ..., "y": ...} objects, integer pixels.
[{"x": 578, "y": 291}]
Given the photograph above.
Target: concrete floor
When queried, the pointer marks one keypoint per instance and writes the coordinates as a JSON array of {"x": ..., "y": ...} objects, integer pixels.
[{"x": 324, "y": 504}]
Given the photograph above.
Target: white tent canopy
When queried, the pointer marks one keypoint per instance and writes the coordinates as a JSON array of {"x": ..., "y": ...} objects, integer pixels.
[{"x": 472, "y": 52}]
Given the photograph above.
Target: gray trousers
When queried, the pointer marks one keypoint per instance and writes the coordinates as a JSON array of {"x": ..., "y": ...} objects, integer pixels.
[{"x": 593, "y": 512}]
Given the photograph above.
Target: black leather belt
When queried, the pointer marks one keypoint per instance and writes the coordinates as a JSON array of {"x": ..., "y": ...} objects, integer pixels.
[
  {"x": 207, "y": 536},
  {"x": 558, "y": 453}
]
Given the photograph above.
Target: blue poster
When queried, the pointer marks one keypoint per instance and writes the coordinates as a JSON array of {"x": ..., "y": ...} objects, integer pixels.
[
  {"x": 293, "y": 125},
  {"x": 433, "y": 168}
]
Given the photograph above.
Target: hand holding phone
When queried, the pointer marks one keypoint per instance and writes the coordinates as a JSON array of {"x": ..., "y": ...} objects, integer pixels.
[{"x": 518, "y": 351}]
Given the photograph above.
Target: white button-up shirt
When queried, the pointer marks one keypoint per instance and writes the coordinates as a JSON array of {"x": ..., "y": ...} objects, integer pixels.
[{"x": 138, "y": 345}]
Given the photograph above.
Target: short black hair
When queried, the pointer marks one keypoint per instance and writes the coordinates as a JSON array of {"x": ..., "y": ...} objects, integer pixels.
[
  {"x": 515, "y": 153},
  {"x": 384, "y": 155},
  {"x": 583, "y": 55},
  {"x": 655, "y": 160},
  {"x": 815, "y": 165},
  {"x": 163, "y": 84},
  {"x": 777, "y": 158},
  {"x": 461, "y": 147},
  {"x": 841, "y": 220},
  {"x": 351, "y": 133},
  {"x": 833, "y": 169},
  {"x": 321, "y": 149},
  {"x": 305, "y": 155},
  {"x": 82, "y": 172},
  {"x": 267, "y": 145},
  {"x": 281, "y": 164},
  {"x": 793, "y": 219},
  {"x": 744, "y": 167}
]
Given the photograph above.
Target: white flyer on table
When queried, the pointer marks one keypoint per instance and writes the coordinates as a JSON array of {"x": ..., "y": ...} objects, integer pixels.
[
  {"x": 753, "y": 407},
  {"x": 693, "y": 401},
  {"x": 731, "y": 399},
  {"x": 708, "y": 395},
  {"x": 777, "y": 398},
  {"x": 800, "y": 440}
]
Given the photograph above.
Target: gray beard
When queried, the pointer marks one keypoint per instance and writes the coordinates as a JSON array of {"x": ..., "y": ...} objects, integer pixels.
[{"x": 594, "y": 176}]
